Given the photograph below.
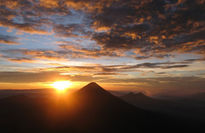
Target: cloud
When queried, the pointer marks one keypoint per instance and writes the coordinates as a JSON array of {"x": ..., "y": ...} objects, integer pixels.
[
  {"x": 28, "y": 15},
  {"x": 12, "y": 19},
  {"x": 21, "y": 60},
  {"x": 43, "y": 76},
  {"x": 160, "y": 56},
  {"x": 27, "y": 77},
  {"x": 152, "y": 27},
  {"x": 44, "y": 54},
  {"x": 107, "y": 73},
  {"x": 29, "y": 54},
  {"x": 66, "y": 53},
  {"x": 9, "y": 40},
  {"x": 193, "y": 60},
  {"x": 121, "y": 69},
  {"x": 162, "y": 65},
  {"x": 149, "y": 28},
  {"x": 69, "y": 30},
  {"x": 92, "y": 52}
]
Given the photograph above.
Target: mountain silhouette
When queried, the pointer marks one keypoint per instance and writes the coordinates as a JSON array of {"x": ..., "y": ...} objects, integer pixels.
[
  {"x": 190, "y": 107},
  {"x": 91, "y": 109},
  {"x": 139, "y": 95},
  {"x": 196, "y": 97},
  {"x": 141, "y": 100},
  {"x": 93, "y": 88}
]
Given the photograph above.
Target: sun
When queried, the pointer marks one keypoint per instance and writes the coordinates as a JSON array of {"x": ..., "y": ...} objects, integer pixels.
[{"x": 61, "y": 85}]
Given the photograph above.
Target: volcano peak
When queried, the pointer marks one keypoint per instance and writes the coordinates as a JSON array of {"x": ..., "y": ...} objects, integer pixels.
[{"x": 93, "y": 87}]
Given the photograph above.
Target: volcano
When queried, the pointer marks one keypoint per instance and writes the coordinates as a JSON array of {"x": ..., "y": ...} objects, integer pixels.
[
  {"x": 93, "y": 88},
  {"x": 91, "y": 109}
]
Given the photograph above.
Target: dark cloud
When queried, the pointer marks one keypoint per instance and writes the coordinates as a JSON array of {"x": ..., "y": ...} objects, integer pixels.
[
  {"x": 160, "y": 56},
  {"x": 9, "y": 40},
  {"x": 153, "y": 27},
  {"x": 21, "y": 60},
  {"x": 107, "y": 73},
  {"x": 69, "y": 30},
  {"x": 175, "y": 66},
  {"x": 29, "y": 15},
  {"x": 9, "y": 18},
  {"x": 161, "y": 73},
  {"x": 162, "y": 65},
  {"x": 193, "y": 60},
  {"x": 121, "y": 69}
]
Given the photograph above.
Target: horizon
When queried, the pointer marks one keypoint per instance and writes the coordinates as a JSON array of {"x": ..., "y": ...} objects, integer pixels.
[
  {"x": 69, "y": 90},
  {"x": 112, "y": 91},
  {"x": 154, "y": 47}
]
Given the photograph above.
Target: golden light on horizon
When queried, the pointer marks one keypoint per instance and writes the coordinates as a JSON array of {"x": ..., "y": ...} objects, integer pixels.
[{"x": 61, "y": 86}]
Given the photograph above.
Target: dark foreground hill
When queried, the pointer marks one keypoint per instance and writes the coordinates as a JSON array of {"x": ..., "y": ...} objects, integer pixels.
[{"x": 89, "y": 110}]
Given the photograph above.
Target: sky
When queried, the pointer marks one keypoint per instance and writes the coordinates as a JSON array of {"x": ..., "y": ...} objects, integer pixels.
[{"x": 153, "y": 46}]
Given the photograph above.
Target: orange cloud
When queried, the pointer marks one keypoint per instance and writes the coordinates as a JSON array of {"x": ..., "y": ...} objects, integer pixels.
[{"x": 49, "y": 3}]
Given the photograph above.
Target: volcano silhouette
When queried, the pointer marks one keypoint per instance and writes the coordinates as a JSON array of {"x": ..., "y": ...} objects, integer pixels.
[
  {"x": 92, "y": 109},
  {"x": 93, "y": 88}
]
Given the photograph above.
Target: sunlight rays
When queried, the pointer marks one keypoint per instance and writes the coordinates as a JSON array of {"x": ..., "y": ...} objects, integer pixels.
[{"x": 61, "y": 86}]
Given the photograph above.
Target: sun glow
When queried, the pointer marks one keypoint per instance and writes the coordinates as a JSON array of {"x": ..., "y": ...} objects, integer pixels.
[{"x": 61, "y": 85}]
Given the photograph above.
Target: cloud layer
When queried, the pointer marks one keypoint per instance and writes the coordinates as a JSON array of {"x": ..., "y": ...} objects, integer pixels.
[
  {"x": 146, "y": 42},
  {"x": 150, "y": 28}
]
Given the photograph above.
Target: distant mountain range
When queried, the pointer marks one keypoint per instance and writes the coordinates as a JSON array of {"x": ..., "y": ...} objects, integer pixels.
[
  {"x": 196, "y": 97},
  {"x": 88, "y": 110},
  {"x": 190, "y": 107}
]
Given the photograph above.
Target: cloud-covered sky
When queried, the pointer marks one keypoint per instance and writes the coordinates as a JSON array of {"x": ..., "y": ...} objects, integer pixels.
[{"x": 154, "y": 46}]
